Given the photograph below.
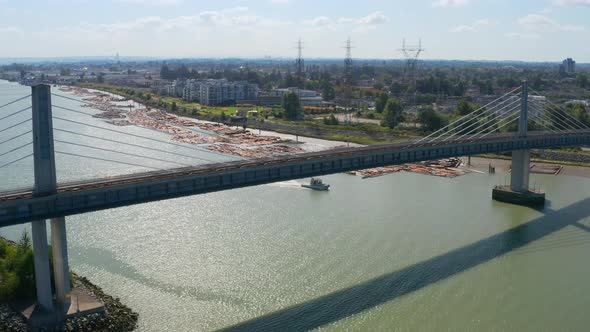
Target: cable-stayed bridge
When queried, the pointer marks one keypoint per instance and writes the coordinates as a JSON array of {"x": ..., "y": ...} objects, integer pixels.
[{"x": 516, "y": 121}]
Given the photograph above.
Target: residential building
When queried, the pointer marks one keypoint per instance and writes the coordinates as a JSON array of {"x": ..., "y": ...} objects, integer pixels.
[
  {"x": 568, "y": 67},
  {"x": 306, "y": 97},
  {"x": 214, "y": 91}
]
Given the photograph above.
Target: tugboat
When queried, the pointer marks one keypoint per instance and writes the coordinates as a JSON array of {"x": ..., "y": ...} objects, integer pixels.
[{"x": 316, "y": 184}]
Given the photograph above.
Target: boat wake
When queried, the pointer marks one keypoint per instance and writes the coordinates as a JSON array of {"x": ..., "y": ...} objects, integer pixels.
[{"x": 286, "y": 184}]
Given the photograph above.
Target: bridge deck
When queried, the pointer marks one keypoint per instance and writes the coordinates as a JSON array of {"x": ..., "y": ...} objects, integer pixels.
[{"x": 20, "y": 206}]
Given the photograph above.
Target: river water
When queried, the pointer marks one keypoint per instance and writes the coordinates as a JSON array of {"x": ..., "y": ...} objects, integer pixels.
[{"x": 403, "y": 252}]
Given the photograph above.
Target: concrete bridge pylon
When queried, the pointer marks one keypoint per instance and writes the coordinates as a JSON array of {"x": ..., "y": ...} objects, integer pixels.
[
  {"x": 519, "y": 191},
  {"x": 46, "y": 184}
]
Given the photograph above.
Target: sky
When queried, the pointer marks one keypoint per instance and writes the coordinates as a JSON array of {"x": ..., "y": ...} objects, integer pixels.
[{"x": 528, "y": 30}]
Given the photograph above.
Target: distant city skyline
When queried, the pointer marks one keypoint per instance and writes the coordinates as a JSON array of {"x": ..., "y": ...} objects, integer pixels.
[{"x": 546, "y": 30}]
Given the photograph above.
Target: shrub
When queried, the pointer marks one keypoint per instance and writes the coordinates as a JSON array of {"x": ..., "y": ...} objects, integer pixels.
[{"x": 17, "y": 269}]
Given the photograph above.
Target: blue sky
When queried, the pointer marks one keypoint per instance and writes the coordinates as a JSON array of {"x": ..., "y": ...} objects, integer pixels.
[{"x": 541, "y": 30}]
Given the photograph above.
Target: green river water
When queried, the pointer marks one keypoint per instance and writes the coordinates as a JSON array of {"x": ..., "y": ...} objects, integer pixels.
[{"x": 403, "y": 252}]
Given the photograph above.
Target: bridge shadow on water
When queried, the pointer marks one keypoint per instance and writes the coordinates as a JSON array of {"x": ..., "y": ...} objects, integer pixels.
[{"x": 346, "y": 302}]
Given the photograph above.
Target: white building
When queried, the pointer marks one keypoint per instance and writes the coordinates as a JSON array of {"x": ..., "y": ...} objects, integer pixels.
[
  {"x": 217, "y": 92},
  {"x": 214, "y": 92},
  {"x": 306, "y": 97}
]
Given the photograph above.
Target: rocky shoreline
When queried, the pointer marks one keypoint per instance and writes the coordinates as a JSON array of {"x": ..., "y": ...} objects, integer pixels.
[{"x": 117, "y": 316}]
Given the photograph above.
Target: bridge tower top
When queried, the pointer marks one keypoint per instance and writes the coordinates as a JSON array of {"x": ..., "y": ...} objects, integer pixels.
[
  {"x": 523, "y": 119},
  {"x": 44, "y": 155}
]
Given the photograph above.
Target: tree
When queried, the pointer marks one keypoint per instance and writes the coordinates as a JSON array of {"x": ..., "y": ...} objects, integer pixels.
[
  {"x": 430, "y": 120},
  {"x": 537, "y": 82},
  {"x": 17, "y": 272},
  {"x": 25, "y": 241},
  {"x": 380, "y": 102},
  {"x": 174, "y": 108},
  {"x": 331, "y": 120},
  {"x": 165, "y": 72},
  {"x": 100, "y": 78},
  {"x": 579, "y": 112},
  {"x": 182, "y": 72},
  {"x": 582, "y": 81},
  {"x": 292, "y": 107},
  {"x": 328, "y": 91},
  {"x": 392, "y": 113},
  {"x": 556, "y": 118},
  {"x": 464, "y": 107}
]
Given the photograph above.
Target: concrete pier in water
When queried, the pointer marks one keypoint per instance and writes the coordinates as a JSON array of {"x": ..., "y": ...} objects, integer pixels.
[{"x": 519, "y": 192}]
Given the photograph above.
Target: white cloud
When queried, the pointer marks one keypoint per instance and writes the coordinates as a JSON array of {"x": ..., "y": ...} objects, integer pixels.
[
  {"x": 539, "y": 23},
  {"x": 450, "y": 3},
  {"x": 547, "y": 10},
  {"x": 319, "y": 21},
  {"x": 346, "y": 20},
  {"x": 464, "y": 28},
  {"x": 572, "y": 2},
  {"x": 236, "y": 17},
  {"x": 279, "y": 2},
  {"x": 373, "y": 19},
  {"x": 475, "y": 26},
  {"x": 363, "y": 23}
]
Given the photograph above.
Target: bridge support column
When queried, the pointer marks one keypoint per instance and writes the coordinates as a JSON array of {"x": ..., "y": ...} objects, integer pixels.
[
  {"x": 521, "y": 165},
  {"x": 519, "y": 192},
  {"x": 46, "y": 184},
  {"x": 61, "y": 270},
  {"x": 42, "y": 272}
]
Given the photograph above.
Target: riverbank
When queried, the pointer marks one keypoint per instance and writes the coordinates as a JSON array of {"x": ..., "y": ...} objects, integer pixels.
[
  {"x": 117, "y": 316},
  {"x": 259, "y": 143},
  {"x": 355, "y": 132},
  {"x": 212, "y": 136}
]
